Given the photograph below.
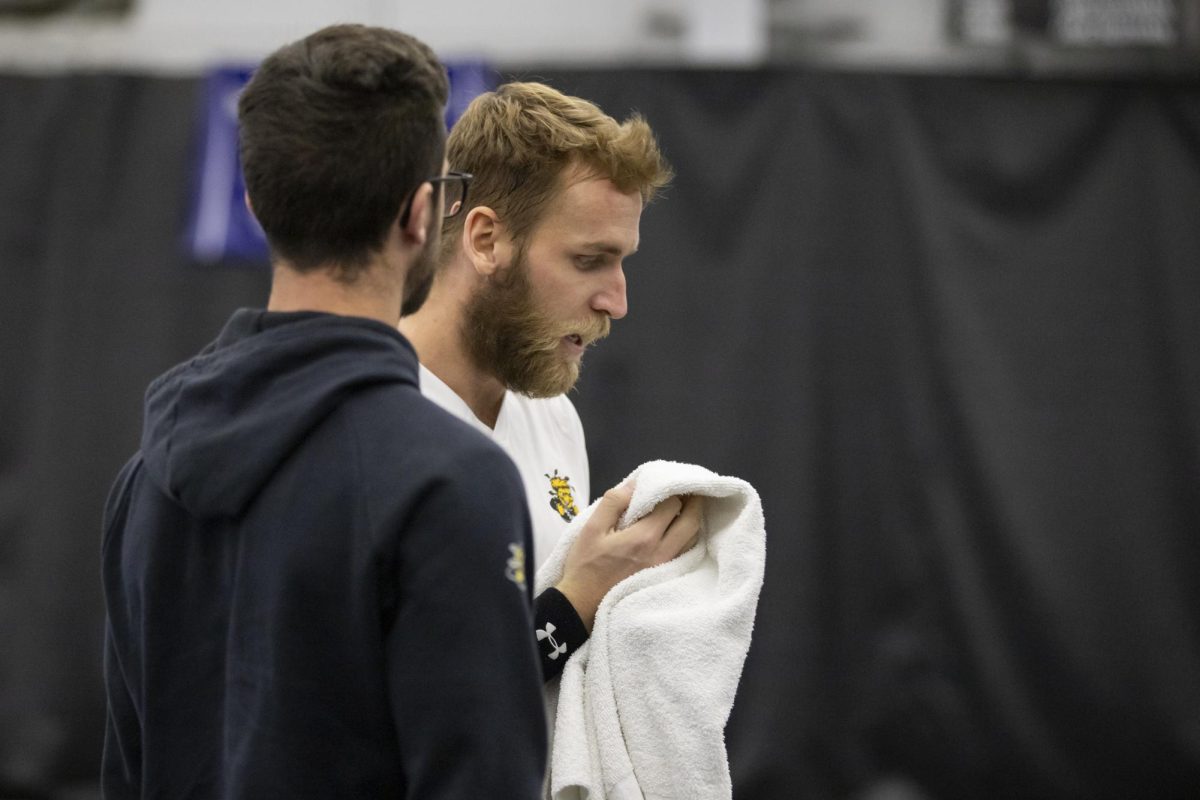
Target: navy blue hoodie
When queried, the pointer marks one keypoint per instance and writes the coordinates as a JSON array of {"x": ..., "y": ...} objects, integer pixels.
[{"x": 315, "y": 582}]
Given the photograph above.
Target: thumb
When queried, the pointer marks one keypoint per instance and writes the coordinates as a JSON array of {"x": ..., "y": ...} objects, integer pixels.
[{"x": 610, "y": 508}]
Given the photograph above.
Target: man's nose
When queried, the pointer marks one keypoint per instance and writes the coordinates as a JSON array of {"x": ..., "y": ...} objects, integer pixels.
[{"x": 611, "y": 298}]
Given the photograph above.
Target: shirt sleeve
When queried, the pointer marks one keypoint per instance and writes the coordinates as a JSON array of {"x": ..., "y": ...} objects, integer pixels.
[
  {"x": 121, "y": 762},
  {"x": 462, "y": 667},
  {"x": 559, "y": 631}
]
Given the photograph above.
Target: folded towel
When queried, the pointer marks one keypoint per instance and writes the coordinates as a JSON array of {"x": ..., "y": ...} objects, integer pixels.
[{"x": 640, "y": 710}]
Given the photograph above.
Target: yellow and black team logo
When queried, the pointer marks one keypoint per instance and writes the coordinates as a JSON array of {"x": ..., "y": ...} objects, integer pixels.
[
  {"x": 562, "y": 496},
  {"x": 515, "y": 571}
]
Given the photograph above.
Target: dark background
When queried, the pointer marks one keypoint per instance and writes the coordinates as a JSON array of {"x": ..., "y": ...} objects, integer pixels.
[{"x": 948, "y": 327}]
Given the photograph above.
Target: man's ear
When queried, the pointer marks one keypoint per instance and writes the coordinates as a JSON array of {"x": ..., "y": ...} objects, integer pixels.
[
  {"x": 485, "y": 241},
  {"x": 416, "y": 228}
]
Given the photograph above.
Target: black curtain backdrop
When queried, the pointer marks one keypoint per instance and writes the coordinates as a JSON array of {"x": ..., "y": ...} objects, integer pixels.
[
  {"x": 949, "y": 327},
  {"x": 96, "y": 298}
]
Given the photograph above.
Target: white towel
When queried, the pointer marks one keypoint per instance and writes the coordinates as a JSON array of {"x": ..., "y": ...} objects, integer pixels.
[{"x": 640, "y": 709}]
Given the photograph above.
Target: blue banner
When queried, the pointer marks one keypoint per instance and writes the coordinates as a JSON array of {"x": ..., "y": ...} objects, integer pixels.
[
  {"x": 220, "y": 228},
  {"x": 468, "y": 80}
]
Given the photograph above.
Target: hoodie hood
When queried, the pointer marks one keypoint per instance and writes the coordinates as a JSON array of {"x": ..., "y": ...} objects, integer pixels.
[{"x": 217, "y": 426}]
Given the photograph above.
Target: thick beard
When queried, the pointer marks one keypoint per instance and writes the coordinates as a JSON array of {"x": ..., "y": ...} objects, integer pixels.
[{"x": 507, "y": 335}]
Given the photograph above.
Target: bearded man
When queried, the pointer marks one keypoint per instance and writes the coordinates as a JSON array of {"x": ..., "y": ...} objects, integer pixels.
[{"x": 530, "y": 276}]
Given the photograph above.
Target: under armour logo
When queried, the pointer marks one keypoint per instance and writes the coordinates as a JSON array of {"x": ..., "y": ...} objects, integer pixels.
[{"x": 556, "y": 649}]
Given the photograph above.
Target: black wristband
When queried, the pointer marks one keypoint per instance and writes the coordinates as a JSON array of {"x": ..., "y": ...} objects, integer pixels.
[{"x": 559, "y": 630}]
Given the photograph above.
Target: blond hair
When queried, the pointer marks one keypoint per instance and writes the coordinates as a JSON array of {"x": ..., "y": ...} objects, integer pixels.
[{"x": 518, "y": 140}]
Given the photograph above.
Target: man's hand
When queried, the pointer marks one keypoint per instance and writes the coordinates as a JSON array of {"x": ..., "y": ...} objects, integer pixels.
[{"x": 603, "y": 556}]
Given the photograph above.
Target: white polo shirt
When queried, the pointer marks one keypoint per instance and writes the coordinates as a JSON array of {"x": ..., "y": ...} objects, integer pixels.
[{"x": 544, "y": 437}]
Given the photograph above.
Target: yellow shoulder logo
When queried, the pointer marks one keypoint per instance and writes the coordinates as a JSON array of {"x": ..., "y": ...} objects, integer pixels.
[
  {"x": 515, "y": 571},
  {"x": 562, "y": 496}
]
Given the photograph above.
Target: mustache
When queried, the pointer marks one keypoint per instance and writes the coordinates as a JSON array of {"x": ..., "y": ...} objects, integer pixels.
[
  {"x": 548, "y": 335},
  {"x": 594, "y": 329}
]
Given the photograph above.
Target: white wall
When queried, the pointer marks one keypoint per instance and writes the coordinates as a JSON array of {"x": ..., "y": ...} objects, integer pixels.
[
  {"x": 188, "y": 35},
  {"x": 890, "y": 30}
]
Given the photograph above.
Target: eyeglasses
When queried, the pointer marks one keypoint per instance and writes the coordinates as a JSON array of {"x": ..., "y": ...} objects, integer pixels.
[
  {"x": 454, "y": 191},
  {"x": 454, "y": 194}
]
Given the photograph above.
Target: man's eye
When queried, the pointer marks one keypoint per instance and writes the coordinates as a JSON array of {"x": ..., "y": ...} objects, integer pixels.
[{"x": 588, "y": 262}]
